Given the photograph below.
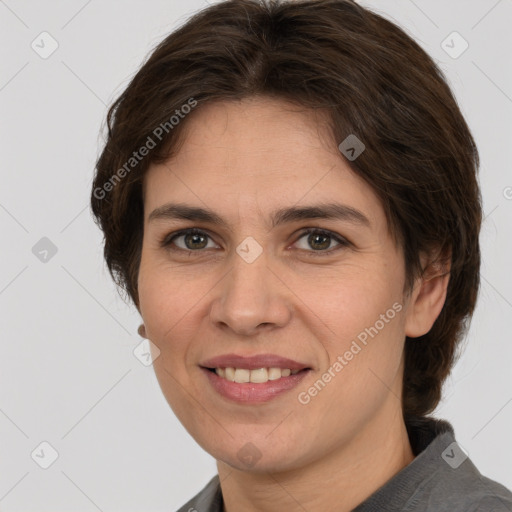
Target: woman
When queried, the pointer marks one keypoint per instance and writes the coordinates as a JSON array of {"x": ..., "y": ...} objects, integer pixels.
[{"x": 288, "y": 194}]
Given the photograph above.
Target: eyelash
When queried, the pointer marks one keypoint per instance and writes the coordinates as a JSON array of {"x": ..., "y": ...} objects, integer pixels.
[{"x": 168, "y": 240}]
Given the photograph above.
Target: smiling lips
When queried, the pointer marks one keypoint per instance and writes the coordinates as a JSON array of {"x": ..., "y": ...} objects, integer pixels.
[
  {"x": 256, "y": 376},
  {"x": 232, "y": 375},
  {"x": 253, "y": 362}
]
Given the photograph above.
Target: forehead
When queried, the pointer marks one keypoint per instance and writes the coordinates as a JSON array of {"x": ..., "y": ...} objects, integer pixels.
[
  {"x": 257, "y": 154},
  {"x": 248, "y": 132}
]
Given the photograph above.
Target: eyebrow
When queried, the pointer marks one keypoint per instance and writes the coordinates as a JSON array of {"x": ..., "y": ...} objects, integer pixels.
[{"x": 335, "y": 211}]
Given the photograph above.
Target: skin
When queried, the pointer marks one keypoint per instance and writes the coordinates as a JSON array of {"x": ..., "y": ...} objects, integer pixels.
[{"x": 243, "y": 160}]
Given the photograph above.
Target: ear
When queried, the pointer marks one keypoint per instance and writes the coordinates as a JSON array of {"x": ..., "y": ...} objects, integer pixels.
[
  {"x": 428, "y": 296},
  {"x": 142, "y": 330}
]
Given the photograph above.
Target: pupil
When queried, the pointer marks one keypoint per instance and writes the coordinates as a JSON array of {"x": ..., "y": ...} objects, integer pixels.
[
  {"x": 195, "y": 237},
  {"x": 315, "y": 236}
]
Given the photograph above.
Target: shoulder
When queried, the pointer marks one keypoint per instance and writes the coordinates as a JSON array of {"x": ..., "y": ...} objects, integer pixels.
[
  {"x": 464, "y": 493},
  {"x": 494, "y": 497},
  {"x": 442, "y": 477},
  {"x": 455, "y": 484}
]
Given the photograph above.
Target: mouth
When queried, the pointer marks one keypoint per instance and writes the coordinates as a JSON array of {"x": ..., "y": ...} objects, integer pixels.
[
  {"x": 254, "y": 376},
  {"x": 252, "y": 379},
  {"x": 247, "y": 387}
]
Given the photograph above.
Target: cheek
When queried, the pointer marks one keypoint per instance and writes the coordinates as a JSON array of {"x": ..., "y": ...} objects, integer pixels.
[
  {"x": 374, "y": 356},
  {"x": 157, "y": 296},
  {"x": 340, "y": 301},
  {"x": 365, "y": 316},
  {"x": 167, "y": 305},
  {"x": 170, "y": 301},
  {"x": 352, "y": 299}
]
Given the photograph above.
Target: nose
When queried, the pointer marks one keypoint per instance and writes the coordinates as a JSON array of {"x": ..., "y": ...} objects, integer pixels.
[{"x": 251, "y": 298}]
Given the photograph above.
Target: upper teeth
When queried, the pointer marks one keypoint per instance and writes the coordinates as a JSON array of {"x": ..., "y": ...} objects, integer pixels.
[{"x": 260, "y": 375}]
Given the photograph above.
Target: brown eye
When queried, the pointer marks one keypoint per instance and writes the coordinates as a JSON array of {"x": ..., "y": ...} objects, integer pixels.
[
  {"x": 320, "y": 240},
  {"x": 193, "y": 240}
]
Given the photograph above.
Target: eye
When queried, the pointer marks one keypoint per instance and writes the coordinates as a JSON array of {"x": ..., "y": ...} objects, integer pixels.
[
  {"x": 320, "y": 239},
  {"x": 193, "y": 240}
]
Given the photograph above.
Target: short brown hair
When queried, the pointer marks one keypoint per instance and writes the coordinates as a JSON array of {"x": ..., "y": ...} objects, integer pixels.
[{"x": 374, "y": 81}]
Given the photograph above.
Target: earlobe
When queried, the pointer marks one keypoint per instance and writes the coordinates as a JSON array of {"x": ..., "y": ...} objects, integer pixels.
[
  {"x": 142, "y": 331},
  {"x": 427, "y": 299}
]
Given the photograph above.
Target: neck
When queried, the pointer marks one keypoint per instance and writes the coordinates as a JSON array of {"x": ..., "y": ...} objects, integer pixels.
[{"x": 339, "y": 482}]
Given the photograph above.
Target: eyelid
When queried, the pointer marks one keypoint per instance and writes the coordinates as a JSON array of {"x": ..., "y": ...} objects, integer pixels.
[{"x": 167, "y": 240}]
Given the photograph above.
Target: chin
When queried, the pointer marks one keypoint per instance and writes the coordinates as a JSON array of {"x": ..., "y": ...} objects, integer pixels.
[
  {"x": 255, "y": 456},
  {"x": 262, "y": 466}
]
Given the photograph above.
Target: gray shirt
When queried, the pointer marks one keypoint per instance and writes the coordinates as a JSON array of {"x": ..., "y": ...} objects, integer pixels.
[{"x": 441, "y": 478}]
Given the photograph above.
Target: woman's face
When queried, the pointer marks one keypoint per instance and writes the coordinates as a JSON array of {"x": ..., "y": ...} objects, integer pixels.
[{"x": 256, "y": 284}]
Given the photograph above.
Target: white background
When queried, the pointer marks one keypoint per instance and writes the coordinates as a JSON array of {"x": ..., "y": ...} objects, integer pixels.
[{"x": 68, "y": 374}]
